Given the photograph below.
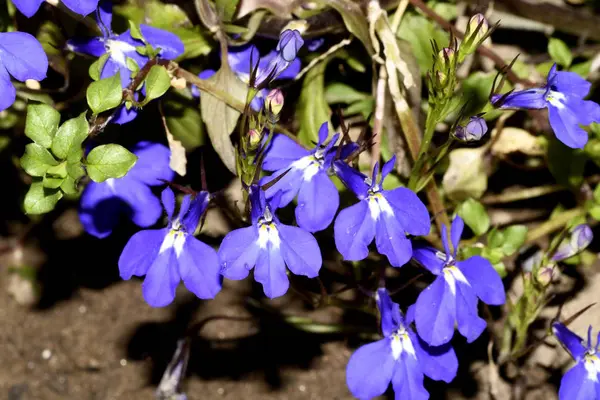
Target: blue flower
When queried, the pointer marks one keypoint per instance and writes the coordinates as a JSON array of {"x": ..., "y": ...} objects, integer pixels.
[
  {"x": 122, "y": 47},
  {"x": 580, "y": 237},
  {"x": 171, "y": 254},
  {"x": 400, "y": 357},
  {"x": 306, "y": 175},
  {"x": 102, "y": 204},
  {"x": 270, "y": 246},
  {"x": 474, "y": 130},
  {"x": 23, "y": 57},
  {"x": 30, "y": 7},
  {"x": 452, "y": 297},
  {"x": 582, "y": 382},
  {"x": 386, "y": 215},
  {"x": 563, "y": 96}
]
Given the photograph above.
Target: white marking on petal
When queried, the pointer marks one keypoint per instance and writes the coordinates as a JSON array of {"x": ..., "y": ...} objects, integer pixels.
[
  {"x": 308, "y": 165},
  {"x": 401, "y": 342},
  {"x": 117, "y": 50},
  {"x": 557, "y": 99},
  {"x": 174, "y": 239},
  {"x": 592, "y": 366},
  {"x": 378, "y": 204},
  {"x": 267, "y": 233},
  {"x": 453, "y": 274},
  {"x": 111, "y": 184}
]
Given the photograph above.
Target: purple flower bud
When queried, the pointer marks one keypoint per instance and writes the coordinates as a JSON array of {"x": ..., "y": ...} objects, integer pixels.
[
  {"x": 254, "y": 138},
  {"x": 274, "y": 101},
  {"x": 290, "y": 42},
  {"x": 474, "y": 22},
  {"x": 581, "y": 237},
  {"x": 475, "y": 129},
  {"x": 446, "y": 56}
]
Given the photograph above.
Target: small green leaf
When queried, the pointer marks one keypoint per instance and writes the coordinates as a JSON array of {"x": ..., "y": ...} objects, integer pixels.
[
  {"x": 495, "y": 238},
  {"x": 135, "y": 31},
  {"x": 96, "y": 68},
  {"x": 595, "y": 212},
  {"x": 500, "y": 269},
  {"x": 514, "y": 237},
  {"x": 195, "y": 43},
  {"x": 105, "y": 94},
  {"x": 132, "y": 65},
  {"x": 475, "y": 216},
  {"x": 37, "y": 160},
  {"x": 51, "y": 182},
  {"x": 312, "y": 109},
  {"x": 55, "y": 176},
  {"x": 109, "y": 161},
  {"x": 70, "y": 136},
  {"x": 40, "y": 200},
  {"x": 157, "y": 83},
  {"x": 560, "y": 52},
  {"x": 74, "y": 172},
  {"x": 41, "y": 124}
]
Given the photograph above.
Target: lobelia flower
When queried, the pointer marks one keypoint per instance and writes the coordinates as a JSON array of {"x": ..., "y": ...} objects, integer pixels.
[
  {"x": 386, "y": 215},
  {"x": 30, "y": 7},
  {"x": 122, "y": 47},
  {"x": 452, "y": 297},
  {"x": 473, "y": 131},
  {"x": 563, "y": 97},
  {"x": 103, "y": 203},
  {"x": 582, "y": 382},
  {"x": 307, "y": 177},
  {"x": 23, "y": 57},
  {"x": 269, "y": 246},
  {"x": 169, "y": 255},
  {"x": 400, "y": 357},
  {"x": 581, "y": 236}
]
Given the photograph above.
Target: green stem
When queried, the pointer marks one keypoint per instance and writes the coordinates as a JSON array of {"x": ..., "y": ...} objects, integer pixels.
[{"x": 422, "y": 157}]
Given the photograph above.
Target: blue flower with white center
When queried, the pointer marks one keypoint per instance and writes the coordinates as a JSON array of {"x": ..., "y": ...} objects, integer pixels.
[
  {"x": 103, "y": 203},
  {"x": 582, "y": 382},
  {"x": 452, "y": 297},
  {"x": 169, "y": 255},
  {"x": 122, "y": 47},
  {"x": 386, "y": 215},
  {"x": 269, "y": 246},
  {"x": 563, "y": 97},
  {"x": 23, "y": 57},
  {"x": 30, "y": 7},
  {"x": 400, "y": 357},
  {"x": 306, "y": 176}
]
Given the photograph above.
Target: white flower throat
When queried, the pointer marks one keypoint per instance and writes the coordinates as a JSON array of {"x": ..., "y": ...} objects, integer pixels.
[
  {"x": 451, "y": 272},
  {"x": 378, "y": 203},
  {"x": 592, "y": 365},
  {"x": 175, "y": 239},
  {"x": 117, "y": 50},
  {"x": 267, "y": 231},
  {"x": 310, "y": 165},
  {"x": 401, "y": 343}
]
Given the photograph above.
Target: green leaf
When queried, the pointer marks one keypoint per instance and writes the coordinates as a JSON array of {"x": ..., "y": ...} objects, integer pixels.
[
  {"x": 354, "y": 19},
  {"x": 220, "y": 119},
  {"x": 476, "y": 91},
  {"x": 96, "y": 68},
  {"x": 560, "y": 52},
  {"x": 132, "y": 65},
  {"x": 74, "y": 172},
  {"x": 475, "y": 216},
  {"x": 341, "y": 93},
  {"x": 70, "y": 136},
  {"x": 419, "y": 31},
  {"x": 135, "y": 31},
  {"x": 184, "y": 120},
  {"x": 500, "y": 269},
  {"x": 195, "y": 43},
  {"x": 40, "y": 200},
  {"x": 312, "y": 108},
  {"x": 157, "y": 83},
  {"x": 514, "y": 237},
  {"x": 495, "y": 238},
  {"x": 41, "y": 124},
  {"x": 109, "y": 161},
  {"x": 37, "y": 159},
  {"x": 55, "y": 176},
  {"x": 226, "y": 9},
  {"x": 105, "y": 94}
]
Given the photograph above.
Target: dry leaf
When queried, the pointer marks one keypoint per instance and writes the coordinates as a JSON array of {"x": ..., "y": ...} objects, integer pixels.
[
  {"x": 178, "y": 158},
  {"x": 513, "y": 140}
]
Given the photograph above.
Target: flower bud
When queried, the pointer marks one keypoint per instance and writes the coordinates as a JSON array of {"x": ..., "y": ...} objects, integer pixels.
[
  {"x": 546, "y": 274},
  {"x": 446, "y": 57},
  {"x": 581, "y": 237},
  {"x": 254, "y": 138},
  {"x": 477, "y": 28},
  {"x": 290, "y": 42},
  {"x": 274, "y": 101},
  {"x": 475, "y": 129}
]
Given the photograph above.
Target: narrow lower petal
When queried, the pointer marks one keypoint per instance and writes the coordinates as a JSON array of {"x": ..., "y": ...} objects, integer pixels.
[
  {"x": 566, "y": 127},
  {"x": 100, "y": 209},
  {"x": 458, "y": 225},
  {"x": 318, "y": 201},
  {"x": 575, "y": 384},
  {"x": 8, "y": 93},
  {"x": 408, "y": 379},
  {"x": 270, "y": 271},
  {"x": 352, "y": 179},
  {"x": 427, "y": 257},
  {"x": 282, "y": 152},
  {"x": 23, "y": 56},
  {"x": 435, "y": 313},
  {"x": 370, "y": 370},
  {"x": 198, "y": 207},
  {"x": 572, "y": 341},
  {"x": 529, "y": 99},
  {"x": 238, "y": 253},
  {"x": 93, "y": 46},
  {"x": 470, "y": 325},
  {"x": 391, "y": 240},
  {"x": 438, "y": 363},
  {"x": 484, "y": 280},
  {"x": 199, "y": 268},
  {"x": 354, "y": 230},
  {"x": 161, "y": 279},
  {"x": 27, "y": 7},
  {"x": 300, "y": 251},
  {"x": 389, "y": 312},
  {"x": 140, "y": 252},
  {"x": 152, "y": 166},
  {"x": 167, "y": 198},
  {"x": 83, "y": 7},
  {"x": 409, "y": 210}
]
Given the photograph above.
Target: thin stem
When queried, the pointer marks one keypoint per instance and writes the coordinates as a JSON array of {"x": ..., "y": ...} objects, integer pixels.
[
  {"x": 379, "y": 113},
  {"x": 510, "y": 195},
  {"x": 553, "y": 224}
]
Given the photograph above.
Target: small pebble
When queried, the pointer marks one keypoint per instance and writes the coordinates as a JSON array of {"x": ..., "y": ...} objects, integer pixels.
[
  {"x": 46, "y": 354},
  {"x": 123, "y": 362}
]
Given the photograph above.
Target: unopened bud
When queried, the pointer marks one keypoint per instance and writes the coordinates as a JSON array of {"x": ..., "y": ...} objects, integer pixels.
[
  {"x": 580, "y": 239},
  {"x": 475, "y": 129},
  {"x": 254, "y": 138},
  {"x": 446, "y": 57},
  {"x": 546, "y": 274},
  {"x": 274, "y": 101},
  {"x": 477, "y": 27},
  {"x": 290, "y": 41}
]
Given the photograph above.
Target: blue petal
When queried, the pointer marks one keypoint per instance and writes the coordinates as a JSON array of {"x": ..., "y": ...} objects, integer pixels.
[
  {"x": 8, "y": 93},
  {"x": 570, "y": 340},
  {"x": 292, "y": 70},
  {"x": 199, "y": 268},
  {"x": 387, "y": 310},
  {"x": 110, "y": 68},
  {"x": 530, "y": 99},
  {"x": 169, "y": 43},
  {"x": 240, "y": 60},
  {"x": 408, "y": 379},
  {"x": 238, "y": 253},
  {"x": 161, "y": 279},
  {"x": 470, "y": 325},
  {"x": 290, "y": 42},
  {"x": 586, "y": 111},
  {"x": 140, "y": 252},
  {"x": 566, "y": 127},
  {"x": 484, "y": 280},
  {"x": 99, "y": 209},
  {"x": 258, "y": 101},
  {"x": 288, "y": 186},
  {"x": 391, "y": 240},
  {"x": 575, "y": 384},
  {"x": 300, "y": 251},
  {"x": 270, "y": 271},
  {"x": 570, "y": 83},
  {"x": 354, "y": 230},
  {"x": 152, "y": 166},
  {"x": 93, "y": 46},
  {"x": 352, "y": 179},
  {"x": 426, "y": 256},
  {"x": 23, "y": 56},
  {"x": 438, "y": 363},
  {"x": 388, "y": 167},
  {"x": 370, "y": 369},
  {"x": 197, "y": 208},
  {"x": 104, "y": 17},
  {"x": 145, "y": 207},
  {"x": 167, "y": 198},
  {"x": 123, "y": 115},
  {"x": 282, "y": 152},
  {"x": 456, "y": 232},
  {"x": 323, "y": 133},
  {"x": 318, "y": 201},
  {"x": 83, "y": 7},
  {"x": 27, "y": 7},
  {"x": 409, "y": 210},
  {"x": 435, "y": 313}
]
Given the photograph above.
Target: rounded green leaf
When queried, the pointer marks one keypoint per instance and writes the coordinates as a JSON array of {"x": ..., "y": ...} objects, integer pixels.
[
  {"x": 109, "y": 161},
  {"x": 40, "y": 200},
  {"x": 41, "y": 124},
  {"x": 70, "y": 136},
  {"x": 515, "y": 236},
  {"x": 157, "y": 83},
  {"x": 560, "y": 52},
  {"x": 475, "y": 216},
  {"x": 37, "y": 159},
  {"x": 105, "y": 94}
]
